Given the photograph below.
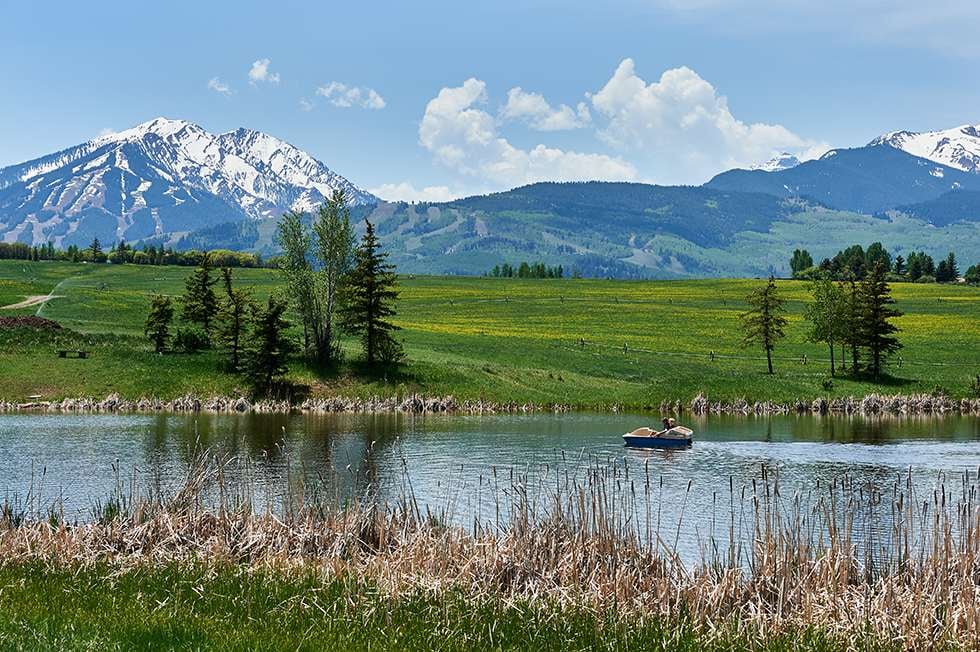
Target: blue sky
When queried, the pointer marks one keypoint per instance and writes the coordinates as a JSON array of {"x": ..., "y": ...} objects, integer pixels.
[{"x": 427, "y": 100}]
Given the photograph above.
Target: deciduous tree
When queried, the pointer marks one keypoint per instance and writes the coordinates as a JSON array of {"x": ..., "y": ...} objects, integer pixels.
[{"x": 827, "y": 316}]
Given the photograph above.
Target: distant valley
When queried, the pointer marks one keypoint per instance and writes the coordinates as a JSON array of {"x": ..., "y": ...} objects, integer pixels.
[{"x": 170, "y": 182}]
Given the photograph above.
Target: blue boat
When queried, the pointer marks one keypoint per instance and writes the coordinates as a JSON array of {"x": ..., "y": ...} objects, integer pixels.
[{"x": 676, "y": 437}]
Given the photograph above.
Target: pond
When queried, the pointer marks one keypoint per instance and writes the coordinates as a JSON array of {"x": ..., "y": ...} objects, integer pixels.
[{"x": 453, "y": 464}]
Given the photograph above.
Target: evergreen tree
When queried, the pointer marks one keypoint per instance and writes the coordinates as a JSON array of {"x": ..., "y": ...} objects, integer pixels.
[
  {"x": 899, "y": 267},
  {"x": 265, "y": 355},
  {"x": 947, "y": 271},
  {"x": 876, "y": 331},
  {"x": 764, "y": 322},
  {"x": 233, "y": 316},
  {"x": 200, "y": 304},
  {"x": 827, "y": 316},
  {"x": 370, "y": 298},
  {"x": 157, "y": 326}
]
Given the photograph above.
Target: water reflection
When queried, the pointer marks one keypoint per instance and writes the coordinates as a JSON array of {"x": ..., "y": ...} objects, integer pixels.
[{"x": 455, "y": 462}]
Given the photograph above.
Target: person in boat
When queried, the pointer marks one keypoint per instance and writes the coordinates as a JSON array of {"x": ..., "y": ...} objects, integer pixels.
[{"x": 666, "y": 423}]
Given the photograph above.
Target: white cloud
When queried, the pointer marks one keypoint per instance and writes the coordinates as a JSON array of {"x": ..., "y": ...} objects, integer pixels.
[
  {"x": 259, "y": 72},
  {"x": 105, "y": 131},
  {"x": 219, "y": 86},
  {"x": 305, "y": 105},
  {"x": 344, "y": 96},
  {"x": 533, "y": 109},
  {"x": 405, "y": 191},
  {"x": 465, "y": 139},
  {"x": 681, "y": 131}
]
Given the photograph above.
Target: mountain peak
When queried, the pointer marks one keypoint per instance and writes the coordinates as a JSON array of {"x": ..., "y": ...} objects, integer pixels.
[
  {"x": 782, "y": 161},
  {"x": 160, "y": 179},
  {"x": 162, "y": 127},
  {"x": 957, "y": 148}
]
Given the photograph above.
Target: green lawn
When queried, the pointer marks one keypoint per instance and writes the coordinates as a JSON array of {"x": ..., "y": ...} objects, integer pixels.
[
  {"x": 498, "y": 339},
  {"x": 225, "y": 608}
]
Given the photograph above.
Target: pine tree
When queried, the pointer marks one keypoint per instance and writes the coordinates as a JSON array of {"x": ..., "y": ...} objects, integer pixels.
[
  {"x": 947, "y": 271},
  {"x": 157, "y": 326},
  {"x": 233, "y": 314},
  {"x": 370, "y": 296},
  {"x": 899, "y": 266},
  {"x": 876, "y": 332},
  {"x": 764, "y": 321},
  {"x": 266, "y": 352},
  {"x": 200, "y": 304}
]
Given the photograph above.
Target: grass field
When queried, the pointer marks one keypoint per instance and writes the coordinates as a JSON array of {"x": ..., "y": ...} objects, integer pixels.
[
  {"x": 171, "y": 607},
  {"x": 504, "y": 340}
]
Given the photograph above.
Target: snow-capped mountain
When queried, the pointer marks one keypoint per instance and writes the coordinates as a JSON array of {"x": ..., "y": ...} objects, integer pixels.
[
  {"x": 162, "y": 178},
  {"x": 783, "y": 161},
  {"x": 957, "y": 148}
]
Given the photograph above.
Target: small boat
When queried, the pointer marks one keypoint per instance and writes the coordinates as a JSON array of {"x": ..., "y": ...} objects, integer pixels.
[{"x": 675, "y": 437}]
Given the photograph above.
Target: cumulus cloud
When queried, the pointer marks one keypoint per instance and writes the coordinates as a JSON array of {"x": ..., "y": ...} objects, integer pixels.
[
  {"x": 344, "y": 96},
  {"x": 405, "y": 191},
  {"x": 218, "y": 86},
  {"x": 681, "y": 130},
  {"x": 259, "y": 72},
  {"x": 465, "y": 138},
  {"x": 305, "y": 105},
  {"x": 537, "y": 113}
]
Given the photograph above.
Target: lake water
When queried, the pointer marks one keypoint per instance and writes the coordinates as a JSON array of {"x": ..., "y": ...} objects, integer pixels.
[{"x": 449, "y": 462}]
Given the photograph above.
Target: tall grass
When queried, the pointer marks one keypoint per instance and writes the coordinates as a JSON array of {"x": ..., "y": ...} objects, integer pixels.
[{"x": 856, "y": 562}]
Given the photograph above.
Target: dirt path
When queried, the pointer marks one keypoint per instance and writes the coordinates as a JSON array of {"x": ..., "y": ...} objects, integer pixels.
[{"x": 34, "y": 300}]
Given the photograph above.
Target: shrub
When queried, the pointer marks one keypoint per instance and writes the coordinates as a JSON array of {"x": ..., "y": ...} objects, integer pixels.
[{"x": 191, "y": 340}]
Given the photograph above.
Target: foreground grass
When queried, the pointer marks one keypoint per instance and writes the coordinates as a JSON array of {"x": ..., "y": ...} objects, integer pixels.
[
  {"x": 228, "y": 608},
  {"x": 586, "y": 343}
]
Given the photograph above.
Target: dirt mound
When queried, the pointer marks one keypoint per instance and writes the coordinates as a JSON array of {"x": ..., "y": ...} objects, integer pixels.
[{"x": 35, "y": 323}]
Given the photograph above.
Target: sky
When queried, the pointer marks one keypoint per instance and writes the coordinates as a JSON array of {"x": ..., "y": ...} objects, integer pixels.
[{"x": 434, "y": 100}]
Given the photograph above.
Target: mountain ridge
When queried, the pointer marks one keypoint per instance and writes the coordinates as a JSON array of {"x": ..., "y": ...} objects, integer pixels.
[{"x": 160, "y": 177}]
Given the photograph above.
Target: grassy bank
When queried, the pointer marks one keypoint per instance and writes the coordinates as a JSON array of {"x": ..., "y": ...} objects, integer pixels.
[
  {"x": 227, "y": 608},
  {"x": 586, "y": 343}
]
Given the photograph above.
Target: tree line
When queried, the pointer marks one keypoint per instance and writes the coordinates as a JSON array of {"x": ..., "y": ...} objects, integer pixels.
[
  {"x": 855, "y": 263},
  {"x": 855, "y": 316},
  {"x": 334, "y": 285},
  {"x": 123, "y": 252},
  {"x": 526, "y": 270}
]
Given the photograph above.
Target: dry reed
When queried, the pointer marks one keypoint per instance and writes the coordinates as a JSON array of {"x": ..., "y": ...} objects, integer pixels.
[{"x": 847, "y": 558}]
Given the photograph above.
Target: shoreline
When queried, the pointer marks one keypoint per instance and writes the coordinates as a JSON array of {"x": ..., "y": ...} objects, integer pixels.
[{"x": 701, "y": 405}]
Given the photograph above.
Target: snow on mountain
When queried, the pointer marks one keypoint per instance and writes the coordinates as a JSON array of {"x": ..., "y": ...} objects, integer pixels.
[
  {"x": 956, "y": 148},
  {"x": 783, "y": 161},
  {"x": 161, "y": 178}
]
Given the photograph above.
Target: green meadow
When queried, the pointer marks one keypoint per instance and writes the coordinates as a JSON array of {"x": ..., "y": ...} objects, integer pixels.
[
  {"x": 49, "y": 607},
  {"x": 585, "y": 343}
]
